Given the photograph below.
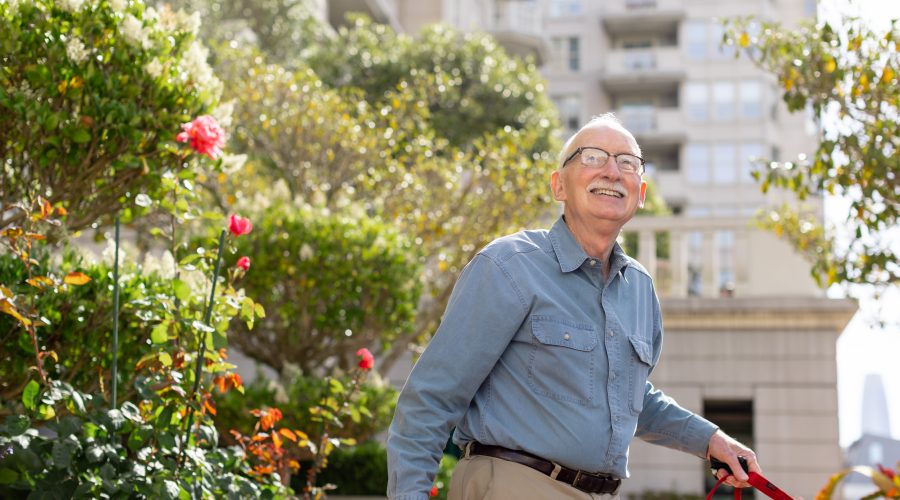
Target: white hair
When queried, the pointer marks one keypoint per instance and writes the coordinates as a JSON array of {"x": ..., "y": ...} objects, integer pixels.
[{"x": 608, "y": 119}]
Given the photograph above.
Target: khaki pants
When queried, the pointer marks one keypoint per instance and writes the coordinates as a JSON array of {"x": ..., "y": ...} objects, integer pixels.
[{"x": 488, "y": 478}]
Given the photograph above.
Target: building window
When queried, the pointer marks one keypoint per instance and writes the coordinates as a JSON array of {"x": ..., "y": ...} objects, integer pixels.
[
  {"x": 569, "y": 107},
  {"x": 695, "y": 255},
  {"x": 696, "y": 159},
  {"x": 725, "y": 246},
  {"x": 750, "y": 100},
  {"x": 696, "y": 96},
  {"x": 723, "y": 101},
  {"x": 563, "y": 8},
  {"x": 724, "y": 165},
  {"x": 574, "y": 54},
  {"x": 735, "y": 418},
  {"x": 750, "y": 153},
  {"x": 695, "y": 39}
]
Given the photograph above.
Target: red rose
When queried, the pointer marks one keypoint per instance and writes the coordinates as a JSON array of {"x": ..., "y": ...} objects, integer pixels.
[
  {"x": 366, "y": 361},
  {"x": 434, "y": 491},
  {"x": 244, "y": 263},
  {"x": 205, "y": 136},
  {"x": 239, "y": 225}
]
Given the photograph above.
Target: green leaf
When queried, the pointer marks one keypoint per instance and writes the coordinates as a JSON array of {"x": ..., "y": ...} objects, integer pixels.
[
  {"x": 165, "y": 359},
  {"x": 46, "y": 412},
  {"x": 15, "y": 425},
  {"x": 131, "y": 412},
  {"x": 30, "y": 395},
  {"x": 8, "y": 476},
  {"x": 160, "y": 333},
  {"x": 94, "y": 454},
  {"x": 81, "y": 136},
  {"x": 62, "y": 453},
  {"x": 182, "y": 290}
]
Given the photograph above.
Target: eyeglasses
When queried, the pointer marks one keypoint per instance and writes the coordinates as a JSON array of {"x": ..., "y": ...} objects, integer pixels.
[{"x": 592, "y": 157}]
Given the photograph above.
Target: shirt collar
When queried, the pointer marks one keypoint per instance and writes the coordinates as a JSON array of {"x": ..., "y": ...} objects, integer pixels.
[{"x": 571, "y": 256}]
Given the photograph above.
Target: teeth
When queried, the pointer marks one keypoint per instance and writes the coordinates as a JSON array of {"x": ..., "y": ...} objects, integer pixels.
[{"x": 608, "y": 192}]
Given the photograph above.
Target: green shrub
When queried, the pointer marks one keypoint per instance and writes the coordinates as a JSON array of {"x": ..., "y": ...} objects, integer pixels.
[
  {"x": 361, "y": 470},
  {"x": 330, "y": 283}
]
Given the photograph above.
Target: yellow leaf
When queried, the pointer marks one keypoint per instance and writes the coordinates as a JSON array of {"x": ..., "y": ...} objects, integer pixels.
[
  {"x": 76, "y": 278},
  {"x": 62, "y": 86},
  {"x": 77, "y": 82},
  {"x": 744, "y": 40},
  {"x": 61, "y": 211},
  {"x": 8, "y": 308},
  {"x": 13, "y": 232},
  {"x": 35, "y": 236},
  {"x": 5, "y": 292}
]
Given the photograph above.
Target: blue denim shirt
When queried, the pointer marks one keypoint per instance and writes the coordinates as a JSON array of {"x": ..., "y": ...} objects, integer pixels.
[{"x": 537, "y": 352}]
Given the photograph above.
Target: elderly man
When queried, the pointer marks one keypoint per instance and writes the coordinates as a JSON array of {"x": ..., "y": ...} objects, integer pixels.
[{"x": 542, "y": 357}]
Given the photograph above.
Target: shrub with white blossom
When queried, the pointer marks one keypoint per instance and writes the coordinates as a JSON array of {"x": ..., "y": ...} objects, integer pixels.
[{"x": 90, "y": 92}]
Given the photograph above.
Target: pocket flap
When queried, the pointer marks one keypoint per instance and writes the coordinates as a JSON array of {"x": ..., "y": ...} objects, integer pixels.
[
  {"x": 564, "y": 333},
  {"x": 642, "y": 349}
]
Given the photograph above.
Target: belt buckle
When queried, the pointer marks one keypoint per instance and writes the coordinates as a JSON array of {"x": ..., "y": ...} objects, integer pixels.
[{"x": 578, "y": 475}]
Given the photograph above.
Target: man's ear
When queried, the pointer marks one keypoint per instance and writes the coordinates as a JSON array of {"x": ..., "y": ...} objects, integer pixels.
[
  {"x": 643, "y": 193},
  {"x": 559, "y": 194}
]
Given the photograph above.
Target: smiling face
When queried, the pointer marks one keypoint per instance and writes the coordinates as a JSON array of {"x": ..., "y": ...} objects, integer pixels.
[{"x": 601, "y": 198}]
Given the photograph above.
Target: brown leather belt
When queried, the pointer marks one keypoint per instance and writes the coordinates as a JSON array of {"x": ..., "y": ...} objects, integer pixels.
[{"x": 584, "y": 481}]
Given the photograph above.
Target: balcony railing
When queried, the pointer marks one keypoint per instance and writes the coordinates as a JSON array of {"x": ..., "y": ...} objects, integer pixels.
[
  {"x": 716, "y": 257},
  {"x": 516, "y": 16}
]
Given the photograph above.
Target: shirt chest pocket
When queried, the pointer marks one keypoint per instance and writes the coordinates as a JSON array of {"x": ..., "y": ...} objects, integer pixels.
[
  {"x": 639, "y": 365},
  {"x": 562, "y": 362}
]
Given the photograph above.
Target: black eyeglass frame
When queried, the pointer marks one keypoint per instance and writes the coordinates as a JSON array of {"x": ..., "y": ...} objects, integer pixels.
[{"x": 615, "y": 157}]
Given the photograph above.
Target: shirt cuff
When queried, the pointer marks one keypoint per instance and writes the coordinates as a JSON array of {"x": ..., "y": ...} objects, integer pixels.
[{"x": 697, "y": 434}]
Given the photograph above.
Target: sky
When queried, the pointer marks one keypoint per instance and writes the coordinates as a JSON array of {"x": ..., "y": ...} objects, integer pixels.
[{"x": 866, "y": 346}]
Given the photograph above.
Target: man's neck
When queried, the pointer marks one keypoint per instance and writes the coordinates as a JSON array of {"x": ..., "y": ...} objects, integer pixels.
[{"x": 597, "y": 242}]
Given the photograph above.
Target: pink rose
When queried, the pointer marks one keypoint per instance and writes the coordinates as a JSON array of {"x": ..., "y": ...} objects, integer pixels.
[
  {"x": 205, "y": 136},
  {"x": 238, "y": 225},
  {"x": 243, "y": 263},
  {"x": 367, "y": 361}
]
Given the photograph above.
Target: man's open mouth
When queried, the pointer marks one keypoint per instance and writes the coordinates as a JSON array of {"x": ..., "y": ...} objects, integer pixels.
[{"x": 607, "y": 192}]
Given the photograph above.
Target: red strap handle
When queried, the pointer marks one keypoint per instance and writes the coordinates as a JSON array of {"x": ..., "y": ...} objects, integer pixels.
[{"x": 757, "y": 481}]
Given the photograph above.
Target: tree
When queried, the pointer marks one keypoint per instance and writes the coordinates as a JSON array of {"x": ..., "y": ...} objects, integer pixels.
[
  {"x": 91, "y": 95},
  {"x": 847, "y": 75},
  {"x": 475, "y": 87}
]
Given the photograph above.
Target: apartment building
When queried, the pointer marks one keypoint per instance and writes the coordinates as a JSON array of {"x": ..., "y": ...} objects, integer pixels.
[{"x": 750, "y": 339}]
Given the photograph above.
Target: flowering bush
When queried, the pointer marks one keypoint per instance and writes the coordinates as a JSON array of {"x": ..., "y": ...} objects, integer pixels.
[{"x": 90, "y": 94}]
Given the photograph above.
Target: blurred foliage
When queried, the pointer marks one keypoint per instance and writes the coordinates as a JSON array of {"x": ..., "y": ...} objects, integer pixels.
[
  {"x": 361, "y": 470},
  {"x": 295, "y": 394},
  {"x": 331, "y": 283},
  {"x": 847, "y": 75},
  {"x": 472, "y": 86},
  {"x": 885, "y": 479},
  {"x": 92, "y": 95},
  {"x": 282, "y": 29}
]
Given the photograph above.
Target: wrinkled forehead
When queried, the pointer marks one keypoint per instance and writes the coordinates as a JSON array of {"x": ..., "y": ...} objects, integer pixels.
[{"x": 609, "y": 136}]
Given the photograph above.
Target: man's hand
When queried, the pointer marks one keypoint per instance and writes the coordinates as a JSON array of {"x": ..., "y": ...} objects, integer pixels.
[{"x": 727, "y": 449}]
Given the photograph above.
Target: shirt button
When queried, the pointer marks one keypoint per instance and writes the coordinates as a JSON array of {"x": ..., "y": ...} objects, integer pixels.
[
  {"x": 593, "y": 262},
  {"x": 610, "y": 333},
  {"x": 567, "y": 336}
]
